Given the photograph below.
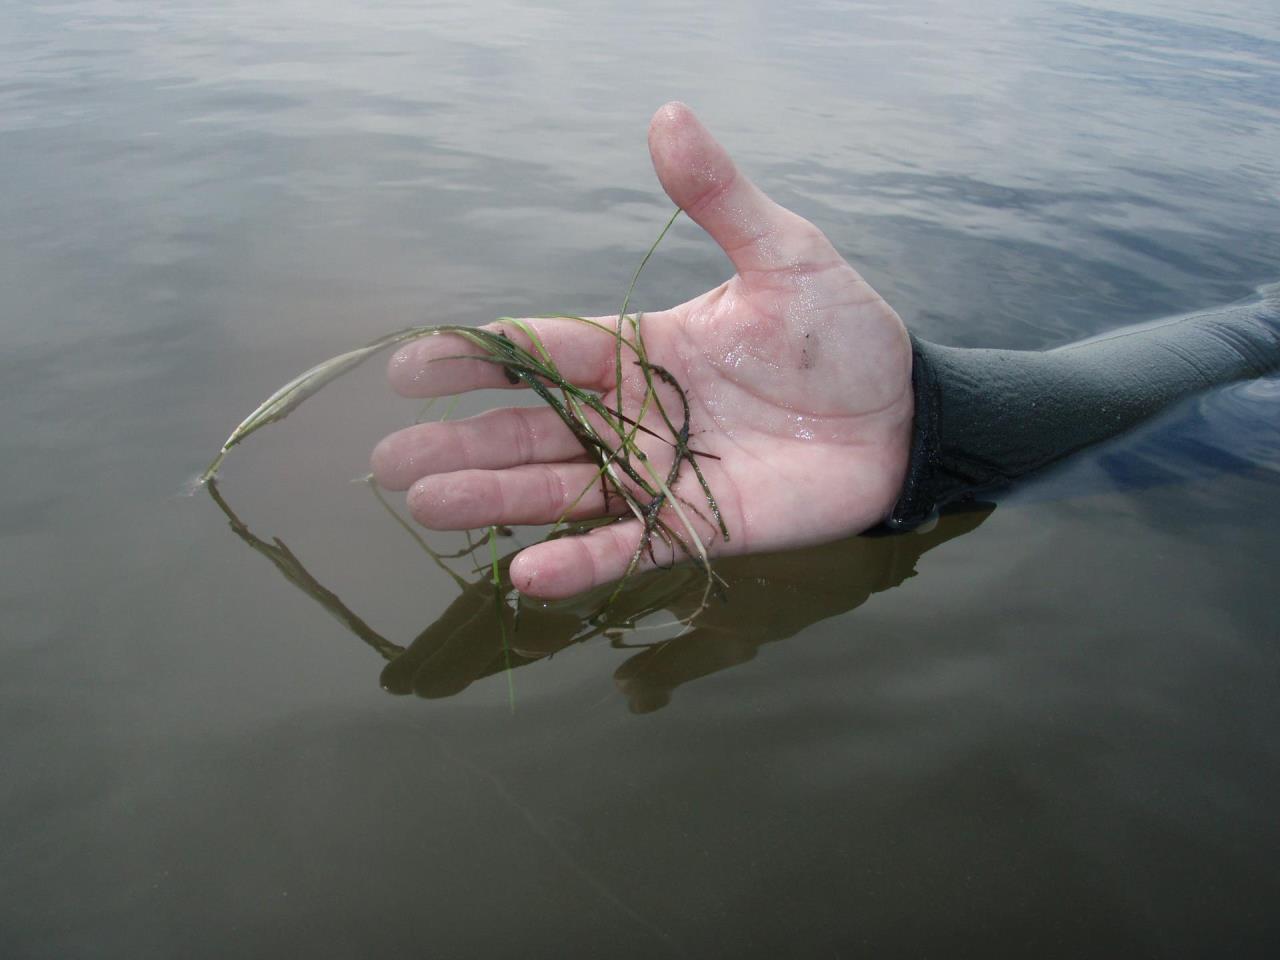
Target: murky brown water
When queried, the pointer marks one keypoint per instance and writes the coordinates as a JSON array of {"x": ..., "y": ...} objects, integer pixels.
[{"x": 1040, "y": 730}]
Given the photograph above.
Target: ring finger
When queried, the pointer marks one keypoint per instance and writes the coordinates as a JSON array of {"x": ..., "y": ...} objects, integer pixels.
[{"x": 531, "y": 493}]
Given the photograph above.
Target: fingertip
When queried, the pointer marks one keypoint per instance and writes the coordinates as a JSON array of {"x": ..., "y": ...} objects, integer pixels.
[
  {"x": 420, "y": 504},
  {"x": 522, "y": 575},
  {"x": 690, "y": 164},
  {"x": 401, "y": 458},
  {"x": 382, "y": 463},
  {"x": 527, "y": 577},
  {"x": 404, "y": 372},
  {"x": 444, "y": 502},
  {"x": 558, "y": 569},
  {"x": 668, "y": 118},
  {"x": 541, "y": 572}
]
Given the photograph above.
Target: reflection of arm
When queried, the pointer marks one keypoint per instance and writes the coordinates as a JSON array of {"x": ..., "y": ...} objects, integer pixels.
[
  {"x": 775, "y": 596},
  {"x": 986, "y": 417}
]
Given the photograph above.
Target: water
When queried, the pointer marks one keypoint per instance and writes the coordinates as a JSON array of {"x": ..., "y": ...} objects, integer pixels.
[{"x": 1033, "y": 731}]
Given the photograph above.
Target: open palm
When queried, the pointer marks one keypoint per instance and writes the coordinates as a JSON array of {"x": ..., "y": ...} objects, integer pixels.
[{"x": 798, "y": 377}]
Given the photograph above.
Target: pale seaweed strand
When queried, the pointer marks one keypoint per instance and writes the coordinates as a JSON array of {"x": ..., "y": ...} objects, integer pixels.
[
  {"x": 626, "y": 302},
  {"x": 436, "y": 558},
  {"x": 285, "y": 400}
]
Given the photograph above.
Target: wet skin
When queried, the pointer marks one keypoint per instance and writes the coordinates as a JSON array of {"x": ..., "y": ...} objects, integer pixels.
[{"x": 797, "y": 373}]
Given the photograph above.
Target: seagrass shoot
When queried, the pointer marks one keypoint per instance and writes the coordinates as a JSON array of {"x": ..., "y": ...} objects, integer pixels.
[{"x": 609, "y": 436}]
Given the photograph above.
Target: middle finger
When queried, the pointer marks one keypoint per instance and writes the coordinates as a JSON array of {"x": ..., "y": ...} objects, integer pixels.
[{"x": 491, "y": 441}]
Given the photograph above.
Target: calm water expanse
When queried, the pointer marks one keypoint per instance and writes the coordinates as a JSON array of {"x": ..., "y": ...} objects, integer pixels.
[{"x": 1033, "y": 731}]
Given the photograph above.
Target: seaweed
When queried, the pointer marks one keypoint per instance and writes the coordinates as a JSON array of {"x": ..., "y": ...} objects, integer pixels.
[{"x": 610, "y": 437}]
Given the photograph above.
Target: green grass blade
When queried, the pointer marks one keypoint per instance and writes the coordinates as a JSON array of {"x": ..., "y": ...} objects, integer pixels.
[{"x": 502, "y": 623}]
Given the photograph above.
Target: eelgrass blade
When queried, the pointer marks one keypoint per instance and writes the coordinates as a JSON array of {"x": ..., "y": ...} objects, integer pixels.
[
  {"x": 626, "y": 302},
  {"x": 436, "y": 558},
  {"x": 532, "y": 334},
  {"x": 498, "y": 608},
  {"x": 647, "y": 494},
  {"x": 285, "y": 400}
]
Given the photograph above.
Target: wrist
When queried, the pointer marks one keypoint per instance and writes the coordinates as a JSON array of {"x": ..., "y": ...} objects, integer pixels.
[{"x": 914, "y": 501}]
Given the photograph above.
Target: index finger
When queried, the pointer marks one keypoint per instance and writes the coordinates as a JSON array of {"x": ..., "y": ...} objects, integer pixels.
[{"x": 581, "y": 348}]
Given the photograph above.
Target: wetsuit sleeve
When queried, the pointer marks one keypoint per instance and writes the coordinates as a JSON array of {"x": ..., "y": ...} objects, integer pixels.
[{"x": 986, "y": 417}]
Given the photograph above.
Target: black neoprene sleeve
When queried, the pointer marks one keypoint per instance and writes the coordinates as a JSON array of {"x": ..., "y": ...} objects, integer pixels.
[{"x": 986, "y": 417}]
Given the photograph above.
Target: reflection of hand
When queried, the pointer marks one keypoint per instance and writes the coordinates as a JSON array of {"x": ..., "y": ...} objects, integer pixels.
[
  {"x": 797, "y": 372},
  {"x": 779, "y": 595},
  {"x": 771, "y": 597},
  {"x": 800, "y": 588}
]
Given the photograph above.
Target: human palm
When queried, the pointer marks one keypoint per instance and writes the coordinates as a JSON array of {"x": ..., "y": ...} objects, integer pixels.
[{"x": 797, "y": 373}]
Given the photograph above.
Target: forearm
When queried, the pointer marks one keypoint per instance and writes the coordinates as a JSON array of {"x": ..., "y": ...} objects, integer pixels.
[{"x": 986, "y": 417}]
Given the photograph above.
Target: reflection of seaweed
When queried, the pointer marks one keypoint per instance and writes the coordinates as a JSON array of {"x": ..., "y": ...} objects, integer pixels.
[
  {"x": 780, "y": 595},
  {"x": 437, "y": 558},
  {"x": 477, "y": 617},
  {"x": 608, "y": 436},
  {"x": 300, "y": 577}
]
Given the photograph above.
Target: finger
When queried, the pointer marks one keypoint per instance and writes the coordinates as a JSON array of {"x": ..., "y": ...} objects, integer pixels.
[
  {"x": 648, "y": 678},
  {"x": 533, "y": 493},
  {"x": 490, "y": 441},
  {"x": 582, "y": 353},
  {"x": 556, "y": 569},
  {"x": 697, "y": 173}
]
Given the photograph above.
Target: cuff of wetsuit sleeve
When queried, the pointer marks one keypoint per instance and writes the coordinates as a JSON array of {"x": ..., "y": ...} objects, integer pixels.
[{"x": 917, "y": 500}]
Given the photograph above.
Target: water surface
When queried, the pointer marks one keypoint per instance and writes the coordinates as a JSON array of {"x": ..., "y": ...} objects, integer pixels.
[{"x": 1033, "y": 730}]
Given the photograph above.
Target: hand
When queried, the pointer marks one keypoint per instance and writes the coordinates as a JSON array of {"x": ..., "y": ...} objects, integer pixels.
[{"x": 798, "y": 377}]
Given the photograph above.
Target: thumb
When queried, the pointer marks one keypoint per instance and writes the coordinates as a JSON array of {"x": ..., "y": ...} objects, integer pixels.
[{"x": 697, "y": 173}]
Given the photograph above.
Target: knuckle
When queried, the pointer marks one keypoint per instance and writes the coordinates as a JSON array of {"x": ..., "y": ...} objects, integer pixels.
[
  {"x": 464, "y": 438},
  {"x": 555, "y": 491},
  {"x": 523, "y": 437}
]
